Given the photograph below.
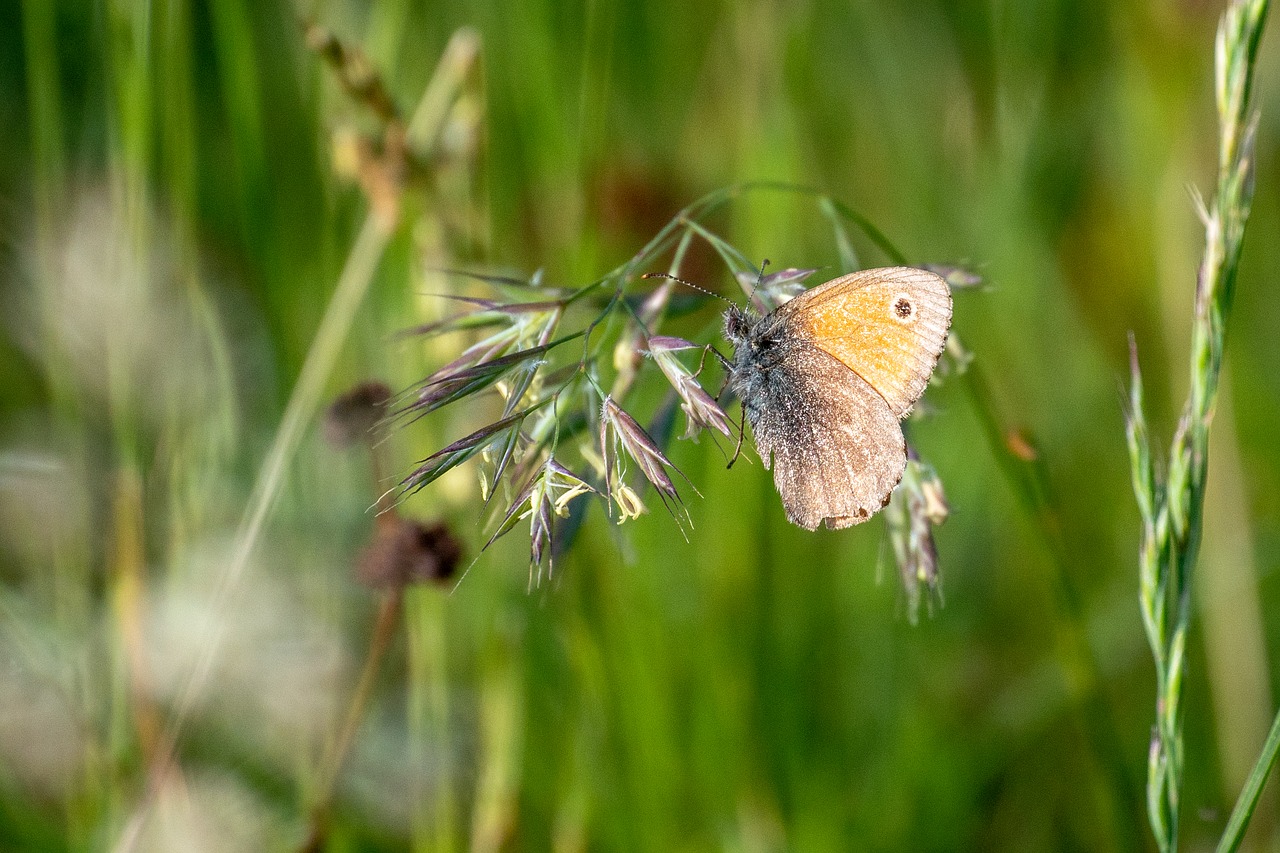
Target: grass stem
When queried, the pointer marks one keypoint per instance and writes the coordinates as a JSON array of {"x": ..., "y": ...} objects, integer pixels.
[
  {"x": 384, "y": 631},
  {"x": 1248, "y": 800},
  {"x": 1172, "y": 509}
]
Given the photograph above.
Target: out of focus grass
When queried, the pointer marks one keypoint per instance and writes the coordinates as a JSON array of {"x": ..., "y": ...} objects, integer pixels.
[{"x": 173, "y": 232}]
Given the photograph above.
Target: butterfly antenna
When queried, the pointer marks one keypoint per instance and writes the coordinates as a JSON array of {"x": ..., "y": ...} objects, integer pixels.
[
  {"x": 759, "y": 281},
  {"x": 686, "y": 284}
]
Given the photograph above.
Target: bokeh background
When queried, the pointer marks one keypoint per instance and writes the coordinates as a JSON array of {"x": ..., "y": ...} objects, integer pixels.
[{"x": 175, "y": 213}]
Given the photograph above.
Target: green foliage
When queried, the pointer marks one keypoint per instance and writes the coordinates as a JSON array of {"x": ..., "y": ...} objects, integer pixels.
[{"x": 217, "y": 218}]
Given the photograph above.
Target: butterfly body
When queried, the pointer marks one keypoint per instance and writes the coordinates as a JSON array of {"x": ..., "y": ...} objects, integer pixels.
[
  {"x": 824, "y": 380},
  {"x": 760, "y": 347}
]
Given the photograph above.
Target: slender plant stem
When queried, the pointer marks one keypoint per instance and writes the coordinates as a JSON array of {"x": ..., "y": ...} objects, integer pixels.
[
  {"x": 1172, "y": 510},
  {"x": 384, "y": 630},
  {"x": 347, "y": 296},
  {"x": 1239, "y": 820},
  {"x": 349, "y": 293},
  {"x": 129, "y": 599}
]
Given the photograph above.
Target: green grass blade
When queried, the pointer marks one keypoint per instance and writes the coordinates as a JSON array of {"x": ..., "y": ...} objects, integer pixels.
[{"x": 1248, "y": 799}]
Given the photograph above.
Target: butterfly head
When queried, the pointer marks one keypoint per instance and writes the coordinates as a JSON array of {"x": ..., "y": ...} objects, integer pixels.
[{"x": 738, "y": 323}]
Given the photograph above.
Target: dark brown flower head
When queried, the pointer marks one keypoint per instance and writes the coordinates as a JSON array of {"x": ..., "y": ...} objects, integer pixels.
[
  {"x": 353, "y": 417},
  {"x": 353, "y": 69},
  {"x": 404, "y": 552}
]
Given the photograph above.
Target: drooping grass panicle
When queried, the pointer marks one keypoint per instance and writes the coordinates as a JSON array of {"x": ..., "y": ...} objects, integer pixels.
[
  {"x": 701, "y": 411},
  {"x": 456, "y": 381},
  {"x": 628, "y": 353},
  {"x": 447, "y": 458},
  {"x": 957, "y": 276},
  {"x": 917, "y": 506},
  {"x": 508, "y": 358},
  {"x": 769, "y": 291},
  {"x": 621, "y": 432},
  {"x": 488, "y": 312},
  {"x": 1171, "y": 510},
  {"x": 546, "y": 495},
  {"x": 565, "y": 427}
]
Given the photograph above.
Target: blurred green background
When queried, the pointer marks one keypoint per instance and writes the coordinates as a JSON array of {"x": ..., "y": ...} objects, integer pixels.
[{"x": 172, "y": 227}]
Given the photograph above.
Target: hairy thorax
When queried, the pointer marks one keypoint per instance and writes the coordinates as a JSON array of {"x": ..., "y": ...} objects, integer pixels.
[{"x": 758, "y": 377}]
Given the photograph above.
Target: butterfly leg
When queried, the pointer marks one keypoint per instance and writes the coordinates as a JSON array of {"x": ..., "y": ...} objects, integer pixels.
[
  {"x": 724, "y": 362},
  {"x": 742, "y": 434},
  {"x": 728, "y": 372}
]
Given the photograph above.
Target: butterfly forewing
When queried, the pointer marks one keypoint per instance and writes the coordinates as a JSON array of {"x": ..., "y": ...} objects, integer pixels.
[{"x": 886, "y": 325}]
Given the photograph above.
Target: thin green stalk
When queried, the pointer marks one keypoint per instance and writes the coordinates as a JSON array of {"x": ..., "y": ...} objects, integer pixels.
[
  {"x": 349, "y": 293},
  {"x": 384, "y": 631},
  {"x": 352, "y": 286},
  {"x": 435, "y": 798},
  {"x": 1239, "y": 820},
  {"x": 1172, "y": 511},
  {"x": 357, "y": 275},
  {"x": 44, "y": 89}
]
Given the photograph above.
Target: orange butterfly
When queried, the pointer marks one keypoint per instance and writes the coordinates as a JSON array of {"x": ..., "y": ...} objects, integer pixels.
[{"x": 824, "y": 380}]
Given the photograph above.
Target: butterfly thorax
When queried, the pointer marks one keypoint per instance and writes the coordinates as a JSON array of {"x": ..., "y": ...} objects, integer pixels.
[{"x": 759, "y": 347}]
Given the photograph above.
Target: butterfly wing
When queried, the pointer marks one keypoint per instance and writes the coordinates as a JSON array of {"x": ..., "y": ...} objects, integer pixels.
[
  {"x": 886, "y": 325},
  {"x": 837, "y": 457}
]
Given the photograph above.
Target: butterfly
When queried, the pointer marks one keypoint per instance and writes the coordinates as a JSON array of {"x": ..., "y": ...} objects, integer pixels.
[{"x": 824, "y": 380}]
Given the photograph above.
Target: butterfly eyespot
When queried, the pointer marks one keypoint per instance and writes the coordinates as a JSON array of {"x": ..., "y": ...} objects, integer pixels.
[{"x": 903, "y": 309}]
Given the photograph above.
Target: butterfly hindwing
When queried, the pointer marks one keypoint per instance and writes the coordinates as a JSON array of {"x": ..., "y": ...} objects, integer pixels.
[{"x": 837, "y": 449}]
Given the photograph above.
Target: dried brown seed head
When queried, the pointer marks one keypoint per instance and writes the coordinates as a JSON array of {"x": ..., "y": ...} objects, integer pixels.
[
  {"x": 355, "y": 416},
  {"x": 404, "y": 552}
]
